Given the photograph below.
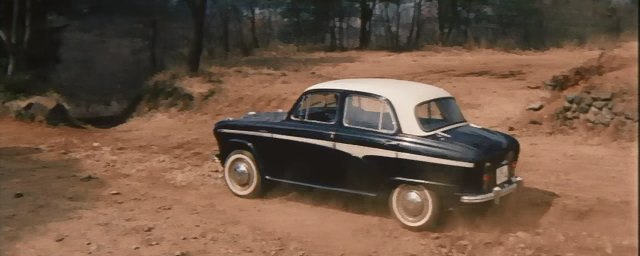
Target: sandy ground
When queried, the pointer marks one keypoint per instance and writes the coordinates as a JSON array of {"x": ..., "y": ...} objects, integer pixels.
[{"x": 150, "y": 187}]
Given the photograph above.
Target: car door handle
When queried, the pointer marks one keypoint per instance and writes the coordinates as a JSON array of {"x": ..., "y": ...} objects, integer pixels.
[{"x": 390, "y": 143}]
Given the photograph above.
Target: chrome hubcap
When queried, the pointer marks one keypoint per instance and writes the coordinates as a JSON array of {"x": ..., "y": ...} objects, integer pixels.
[
  {"x": 240, "y": 174},
  {"x": 412, "y": 203}
]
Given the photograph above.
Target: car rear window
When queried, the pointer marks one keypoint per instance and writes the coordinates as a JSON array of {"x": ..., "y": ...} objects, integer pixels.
[{"x": 438, "y": 113}]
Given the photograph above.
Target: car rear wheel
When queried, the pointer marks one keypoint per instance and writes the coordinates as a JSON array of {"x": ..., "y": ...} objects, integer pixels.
[
  {"x": 414, "y": 206},
  {"x": 241, "y": 174}
]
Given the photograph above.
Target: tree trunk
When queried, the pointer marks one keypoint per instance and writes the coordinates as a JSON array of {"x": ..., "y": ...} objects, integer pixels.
[
  {"x": 332, "y": 35},
  {"x": 254, "y": 37},
  {"x": 198, "y": 11},
  {"x": 153, "y": 59},
  {"x": 224, "y": 18},
  {"x": 341, "y": 31},
  {"x": 397, "y": 42},
  {"x": 27, "y": 25},
  {"x": 387, "y": 20},
  {"x": 409, "y": 42},
  {"x": 365, "y": 19},
  {"x": 416, "y": 39},
  {"x": 269, "y": 26}
]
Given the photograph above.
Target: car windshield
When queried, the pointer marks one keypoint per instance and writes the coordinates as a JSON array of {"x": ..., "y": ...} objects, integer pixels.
[{"x": 438, "y": 113}]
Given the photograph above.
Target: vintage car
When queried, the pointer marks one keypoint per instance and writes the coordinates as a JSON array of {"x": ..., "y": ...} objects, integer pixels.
[{"x": 401, "y": 140}]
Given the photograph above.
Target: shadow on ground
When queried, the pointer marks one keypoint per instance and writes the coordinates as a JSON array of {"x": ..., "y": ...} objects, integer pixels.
[
  {"x": 521, "y": 211},
  {"x": 353, "y": 203},
  {"x": 37, "y": 188}
]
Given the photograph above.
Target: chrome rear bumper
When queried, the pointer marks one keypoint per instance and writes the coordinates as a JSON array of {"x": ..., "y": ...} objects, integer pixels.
[{"x": 495, "y": 194}]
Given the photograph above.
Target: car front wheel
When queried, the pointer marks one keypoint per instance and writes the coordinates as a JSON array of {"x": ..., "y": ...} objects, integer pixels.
[
  {"x": 241, "y": 174},
  {"x": 415, "y": 206}
]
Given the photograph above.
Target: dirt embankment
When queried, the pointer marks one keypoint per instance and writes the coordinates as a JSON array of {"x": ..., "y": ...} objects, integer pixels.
[{"x": 149, "y": 186}]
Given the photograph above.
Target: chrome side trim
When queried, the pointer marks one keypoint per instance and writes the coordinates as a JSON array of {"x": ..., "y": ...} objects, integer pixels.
[
  {"x": 495, "y": 194},
  {"x": 445, "y": 128},
  {"x": 356, "y": 150},
  {"x": 422, "y": 181},
  {"x": 321, "y": 187},
  {"x": 262, "y": 134},
  {"x": 434, "y": 160}
]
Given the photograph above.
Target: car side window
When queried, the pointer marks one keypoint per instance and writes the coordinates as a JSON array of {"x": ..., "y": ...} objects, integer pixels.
[
  {"x": 369, "y": 113},
  {"x": 317, "y": 107}
]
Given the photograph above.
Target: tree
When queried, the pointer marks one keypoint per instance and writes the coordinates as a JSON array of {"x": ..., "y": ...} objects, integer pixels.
[
  {"x": 198, "y": 13},
  {"x": 366, "y": 13},
  {"x": 27, "y": 41}
]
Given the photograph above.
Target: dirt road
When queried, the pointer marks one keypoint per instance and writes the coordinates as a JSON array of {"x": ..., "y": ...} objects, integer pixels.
[{"x": 149, "y": 187}]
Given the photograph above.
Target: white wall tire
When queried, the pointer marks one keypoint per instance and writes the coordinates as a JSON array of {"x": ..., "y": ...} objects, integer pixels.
[
  {"x": 241, "y": 175},
  {"x": 414, "y": 206}
]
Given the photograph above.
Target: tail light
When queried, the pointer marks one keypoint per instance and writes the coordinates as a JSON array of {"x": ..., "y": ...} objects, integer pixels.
[
  {"x": 487, "y": 177},
  {"x": 511, "y": 161}
]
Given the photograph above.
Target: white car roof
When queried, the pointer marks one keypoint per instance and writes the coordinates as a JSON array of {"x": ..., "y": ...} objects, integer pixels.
[{"x": 403, "y": 95}]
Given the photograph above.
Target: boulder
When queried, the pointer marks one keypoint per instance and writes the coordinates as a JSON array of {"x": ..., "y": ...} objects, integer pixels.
[
  {"x": 49, "y": 110},
  {"x": 574, "y": 108},
  {"x": 600, "y": 104},
  {"x": 591, "y": 116},
  {"x": 618, "y": 109},
  {"x": 536, "y": 106},
  {"x": 583, "y": 109},
  {"x": 571, "y": 97},
  {"x": 586, "y": 100},
  {"x": 629, "y": 115},
  {"x": 602, "y": 95},
  {"x": 566, "y": 106}
]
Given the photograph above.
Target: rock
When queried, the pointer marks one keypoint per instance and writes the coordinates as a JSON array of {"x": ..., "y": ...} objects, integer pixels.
[
  {"x": 602, "y": 95},
  {"x": 633, "y": 116},
  {"x": 18, "y": 195},
  {"x": 88, "y": 178},
  {"x": 586, "y": 100},
  {"x": 149, "y": 229},
  {"x": 599, "y": 104},
  {"x": 523, "y": 235},
  {"x": 579, "y": 98},
  {"x": 566, "y": 106},
  {"x": 608, "y": 248},
  {"x": 591, "y": 116},
  {"x": 511, "y": 128},
  {"x": 574, "y": 108},
  {"x": 436, "y": 236},
  {"x": 180, "y": 253},
  {"x": 610, "y": 105},
  {"x": 571, "y": 97},
  {"x": 59, "y": 238},
  {"x": 536, "y": 106},
  {"x": 135, "y": 247},
  {"x": 533, "y": 86},
  {"x": 583, "y": 109},
  {"x": 95, "y": 144},
  {"x": 154, "y": 243},
  {"x": 48, "y": 109},
  {"x": 535, "y": 121},
  {"x": 571, "y": 115},
  {"x": 114, "y": 193}
]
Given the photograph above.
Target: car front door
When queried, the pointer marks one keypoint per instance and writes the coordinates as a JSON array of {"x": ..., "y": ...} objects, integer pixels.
[{"x": 304, "y": 141}]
